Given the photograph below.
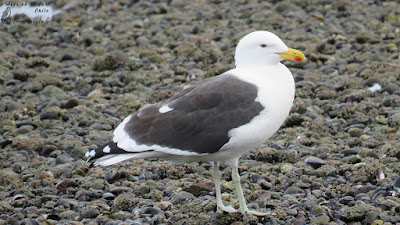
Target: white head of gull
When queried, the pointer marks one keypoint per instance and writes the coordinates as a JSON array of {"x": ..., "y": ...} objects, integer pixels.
[{"x": 218, "y": 119}]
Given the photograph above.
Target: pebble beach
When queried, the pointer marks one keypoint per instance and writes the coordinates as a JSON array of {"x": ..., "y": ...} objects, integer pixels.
[{"x": 66, "y": 84}]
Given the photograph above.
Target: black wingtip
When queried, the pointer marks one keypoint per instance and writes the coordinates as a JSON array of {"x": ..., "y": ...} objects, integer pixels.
[{"x": 99, "y": 152}]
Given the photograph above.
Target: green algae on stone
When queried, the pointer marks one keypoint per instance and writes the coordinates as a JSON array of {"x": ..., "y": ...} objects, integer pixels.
[
  {"x": 358, "y": 212},
  {"x": 7, "y": 177},
  {"x": 227, "y": 218},
  {"x": 110, "y": 61},
  {"x": 54, "y": 92},
  {"x": 125, "y": 202},
  {"x": 28, "y": 143},
  {"x": 272, "y": 155},
  {"x": 323, "y": 219}
]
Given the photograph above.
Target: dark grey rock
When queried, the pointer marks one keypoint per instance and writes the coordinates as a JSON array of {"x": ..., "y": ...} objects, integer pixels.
[
  {"x": 314, "y": 162},
  {"x": 181, "y": 197},
  {"x": 350, "y": 151},
  {"x": 89, "y": 213}
]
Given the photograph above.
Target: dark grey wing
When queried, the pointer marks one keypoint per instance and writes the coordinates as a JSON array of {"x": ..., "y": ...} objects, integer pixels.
[{"x": 201, "y": 117}]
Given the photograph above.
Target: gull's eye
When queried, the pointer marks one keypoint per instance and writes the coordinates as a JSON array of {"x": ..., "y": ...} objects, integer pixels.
[{"x": 263, "y": 45}]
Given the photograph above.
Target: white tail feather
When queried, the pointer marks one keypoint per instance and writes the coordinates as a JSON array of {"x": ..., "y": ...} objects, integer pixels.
[{"x": 111, "y": 159}]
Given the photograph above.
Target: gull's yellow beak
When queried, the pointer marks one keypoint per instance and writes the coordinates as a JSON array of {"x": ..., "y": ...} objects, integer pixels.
[{"x": 292, "y": 54}]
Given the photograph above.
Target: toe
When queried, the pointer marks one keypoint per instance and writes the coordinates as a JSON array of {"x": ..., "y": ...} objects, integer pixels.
[
  {"x": 256, "y": 213},
  {"x": 228, "y": 209}
]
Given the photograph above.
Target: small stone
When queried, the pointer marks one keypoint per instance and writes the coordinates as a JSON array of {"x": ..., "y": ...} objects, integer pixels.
[
  {"x": 25, "y": 129},
  {"x": 272, "y": 155},
  {"x": 125, "y": 202},
  {"x": 396, "y": 183},
  {"x": 14, "y": 106},
  {"x": 293, "y": 190},
  {"x": 196, "y": 189},
  {"x": 69, "y": 215},
  {"x": 47, "y": 149},
  {"x": 119, "y": 190},
  {"x": 314, "y": 162},
  {"x": 195, "y": 74},
  {"x": 46, "y": 175},
  {"x": 100, "y": 126},
  {"x": 324, "y": 219},
  {"x": 63, "y": 158},
  {"x": 68, "y": 56},
  {"x": 95, "y": 94},
  {"x": 181, "y": 197},
  {"x": 354, "y": 159},
  {"x": 349, "y": 151},
  {"x": 108, "y": 196},
  {"x": 391, "y": 88},
  {"x": 29, "y": 143},
  {"x": 372, "y": 154},
  {"x": 358, "y": 212},
  {"x": 144, "y": 190},
  {"x": 111, "y": 61},
  {"x": 285, "y": 167},
  {"x": 35, "y": 62},
  {"x": 265, "y": 185},
  {"x": 394, "y": 120},
  {"x": 69, "y": 104},
  {"x": 355, "y": 132},
  {"x": 89, "y": 213},
  {"x": 63, "y": 185},
  {"x": 225, "y": 196},
  {"x": 237, "y": 223},
  {"x": 164, "y": 205},
  {"x": 137, "y": 23},
  {"x": 377, "y": 222},
  {"x": 21, "y": 75},
  {"x": 54, "y": 92},
  {"x": 370, "y": 217},
  {"x": 324, "y": 171},
  {"x": 122, "y": 215},
  {"x": 346, "y": 200},
  {"x": 49, "y": 116},
  {"x": 294, "y": 120}
]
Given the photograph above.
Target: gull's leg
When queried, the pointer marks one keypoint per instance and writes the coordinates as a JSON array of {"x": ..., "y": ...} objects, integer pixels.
[
  {"x": 239, "y": 192},
  {"x": 217, "y": 182}
]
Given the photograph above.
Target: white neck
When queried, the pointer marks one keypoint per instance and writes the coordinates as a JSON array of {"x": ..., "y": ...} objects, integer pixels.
[
  {"x": 275, "y": 84},
  {"x": 242, "y": 61}
]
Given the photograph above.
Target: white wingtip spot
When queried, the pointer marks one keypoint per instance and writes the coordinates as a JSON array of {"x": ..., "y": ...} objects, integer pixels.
[
  {"x": 165, "y": 109},
  {"x": 107, "y": 149},
  {"x": 92, "y": 153}
]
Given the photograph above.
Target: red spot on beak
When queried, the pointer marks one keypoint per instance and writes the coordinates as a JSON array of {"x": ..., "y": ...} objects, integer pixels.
[{"x": 297, "y": 59}]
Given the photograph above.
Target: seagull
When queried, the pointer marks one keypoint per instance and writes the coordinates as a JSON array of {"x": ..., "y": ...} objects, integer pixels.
[
  {"x": 6, "y": 14},
  {"x": 218, "y": 119}
]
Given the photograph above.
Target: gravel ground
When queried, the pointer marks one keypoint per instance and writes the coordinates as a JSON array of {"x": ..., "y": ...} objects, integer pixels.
[{"x": 66, "y": 85}]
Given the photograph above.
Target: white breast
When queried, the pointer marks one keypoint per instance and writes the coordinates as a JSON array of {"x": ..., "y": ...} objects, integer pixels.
[{"x": 276, "y": 90}]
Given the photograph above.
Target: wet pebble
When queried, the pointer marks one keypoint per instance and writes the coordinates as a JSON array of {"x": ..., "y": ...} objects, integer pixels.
[
  {"x": 108, "y": 196},
  {"x": 314, "y": 162},
  {"x": 335, "y": 159}
]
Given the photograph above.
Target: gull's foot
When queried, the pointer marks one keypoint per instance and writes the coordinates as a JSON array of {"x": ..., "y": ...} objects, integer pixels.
[
  {"x": 228, "y": 209},
  {"x": 258, "y": 214}
]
